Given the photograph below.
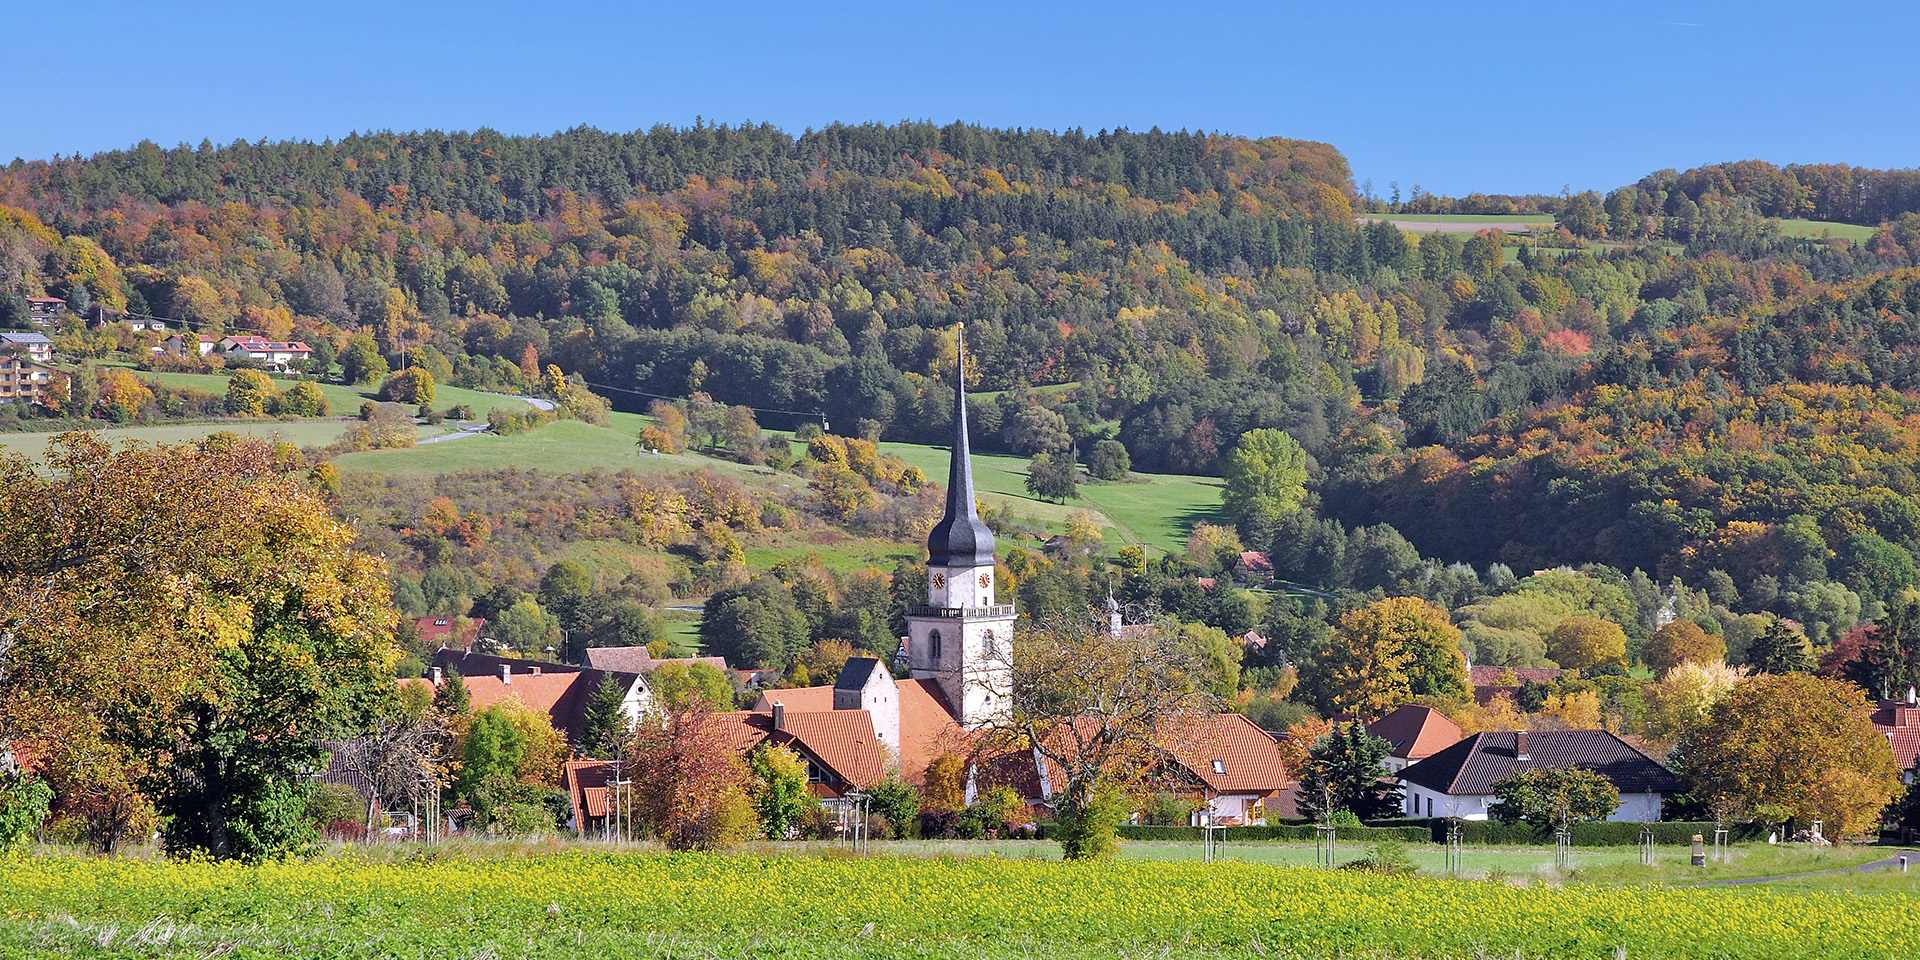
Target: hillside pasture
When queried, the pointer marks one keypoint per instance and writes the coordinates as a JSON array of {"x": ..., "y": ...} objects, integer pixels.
[{"x": 302, "y": 433}]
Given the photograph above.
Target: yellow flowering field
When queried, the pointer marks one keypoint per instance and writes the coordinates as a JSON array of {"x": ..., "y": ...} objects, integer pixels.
[{"x": 658, "y": 905}]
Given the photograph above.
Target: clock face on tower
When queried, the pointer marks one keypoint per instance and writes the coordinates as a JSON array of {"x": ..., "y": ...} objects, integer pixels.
[
  {"x": 986, "y": 580},
  {"x": 939, "y": 581}
]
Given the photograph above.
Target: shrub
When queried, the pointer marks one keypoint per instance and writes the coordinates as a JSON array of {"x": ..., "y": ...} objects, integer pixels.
[{"x": 24, "y": 802}]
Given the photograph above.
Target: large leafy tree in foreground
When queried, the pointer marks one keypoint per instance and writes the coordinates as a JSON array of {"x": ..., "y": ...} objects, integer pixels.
[
  {"x": 1792, "y": 747},
  {"x": 1104, "y": 711},
  {"x": 182, "y": 624}
]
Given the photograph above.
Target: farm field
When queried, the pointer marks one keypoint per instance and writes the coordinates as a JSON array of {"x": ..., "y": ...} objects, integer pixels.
[
  {"x": 563, "y": 446},
  {"x": 577, "y": 903}
]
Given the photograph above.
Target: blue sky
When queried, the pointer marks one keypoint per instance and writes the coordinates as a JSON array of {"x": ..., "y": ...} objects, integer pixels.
[{"x": 1457, "y": 97}]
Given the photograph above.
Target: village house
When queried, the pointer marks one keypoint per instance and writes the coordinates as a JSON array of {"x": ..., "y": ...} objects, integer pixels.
[
  {"x": 641, "y": 660},
  {"x": 33, "y": 346},
  {"x": 273, "y": 354},
  {"x": 461, "y": 632},
  {"x": 1458, "y": 781},
  {"x": 177, "y": 344},
  {"x": 25, "y": 381},
  {"x": 561, "y": 691},
  {"x": 1413, "y": 732},
  {"x": 1900, "y": 721},
  {"x": 46, "y": 311}
]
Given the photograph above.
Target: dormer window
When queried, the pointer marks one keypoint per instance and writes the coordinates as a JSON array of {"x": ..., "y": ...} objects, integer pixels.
[{"x": 1219, "y": 767}]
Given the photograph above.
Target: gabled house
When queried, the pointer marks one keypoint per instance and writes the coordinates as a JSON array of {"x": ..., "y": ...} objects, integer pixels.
[
  {"x": 641, "y": 660},
  {"x": 180, "y": 343},
  {"x": 1413, "y": 732},
  {"x": 1900, "y": 721},
  {"x": 33, "y": 346},
  {"x": 46, "y": 311},
  {"x": 459, "y": 632},
  {"x": 1235, "y": 768},
  {"x": 273, "y": 354},
  {"x": 1458, "y": 781},
  {"x": 561, "y": 691}
]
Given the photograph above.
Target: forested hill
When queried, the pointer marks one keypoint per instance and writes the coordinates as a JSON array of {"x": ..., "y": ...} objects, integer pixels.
[{"x": 1626, "y": 388}]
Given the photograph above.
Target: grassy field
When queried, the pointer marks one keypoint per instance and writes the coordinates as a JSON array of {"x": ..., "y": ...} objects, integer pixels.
[
  {"x": 1813, "y": 228},
  {"x": 299, "y": 432},
  {"x": 345, "y": 401},
  {"x": 527, "y": 900},
  {"x": 565, "y": 446},
  {"x": 1152, "y": 509}
]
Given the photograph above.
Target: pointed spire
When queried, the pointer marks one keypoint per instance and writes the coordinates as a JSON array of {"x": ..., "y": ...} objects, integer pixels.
[{"x": 960, "y": 539}]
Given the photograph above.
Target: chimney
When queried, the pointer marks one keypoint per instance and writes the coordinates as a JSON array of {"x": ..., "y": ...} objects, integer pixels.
[
  {"x": 437, "y": 676},
  {"x": 779, "y": 715},
  {"x": 506, "y": 674},
  {"x": 1913, "y": 698},
  {"x": 1520, "y": 746}
]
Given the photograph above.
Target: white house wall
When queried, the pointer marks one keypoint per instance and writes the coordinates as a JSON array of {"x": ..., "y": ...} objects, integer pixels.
[{"x": 1422, "y": 802}]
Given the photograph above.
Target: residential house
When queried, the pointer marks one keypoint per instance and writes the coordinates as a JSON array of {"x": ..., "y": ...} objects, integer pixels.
[
  {"x": 33, "y": 346},
  {"x": 1255, "y": 567},
  {"x": 1235, "y": 768},
  {"x": 273, "y": 354},
  {"x": 461, "y": 632},
  {"x": 838, "y": 748},
  {"x": 641, "y": 660},
  {"x": 23, "y": 380},
  {"x": 1413, "y": 732},
  {"x": 177, "y": 344},
  {"x": 1900, "y": 721},
  {"x": 1458, "y": 781},
  {"x": 46, "y": 311},
  {"x": 561, "y": 691}
]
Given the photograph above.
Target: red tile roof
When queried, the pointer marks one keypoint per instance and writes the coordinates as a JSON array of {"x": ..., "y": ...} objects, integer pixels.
[
  {"x": 812, "y": 699},
  {"x": 927, "y": 729},
  {"x": 1416, "y": 732},
  {"x": 1233, "y": 755},
  {"x": 842, "y": 741}
]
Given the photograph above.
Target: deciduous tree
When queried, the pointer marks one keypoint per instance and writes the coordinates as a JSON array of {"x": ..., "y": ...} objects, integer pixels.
[
  {"x": 1682, "y": 641},
  {"x": 184, "y": 625},
  {"x": 1795, "y": 743},
  {"x": 1104, "y": 710},
  {"x": 1551, "y": 799}
]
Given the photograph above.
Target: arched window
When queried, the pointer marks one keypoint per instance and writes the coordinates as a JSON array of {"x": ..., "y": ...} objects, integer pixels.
[
  {"x": 933, "y": 645},
  {"x": 990, "y": 646}
]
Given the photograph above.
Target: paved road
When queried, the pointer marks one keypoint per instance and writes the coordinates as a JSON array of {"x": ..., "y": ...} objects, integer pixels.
[
  {"x": 468, "y": 428},
  {"x": 538, "y": 404},
  {"x": 1891, "y": 862}
]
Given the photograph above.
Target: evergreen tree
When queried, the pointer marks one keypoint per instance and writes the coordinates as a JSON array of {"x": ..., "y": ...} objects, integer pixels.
[
  {"x": 1780, "y": 649},
  {"x": 606, "y": 724},
  {"x": 451, "y": 698},
  {"x": 1343, "y": 772}
]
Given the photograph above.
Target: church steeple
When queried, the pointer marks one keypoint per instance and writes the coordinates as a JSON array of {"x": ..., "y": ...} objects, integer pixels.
[{"x": 960, "y": 539}]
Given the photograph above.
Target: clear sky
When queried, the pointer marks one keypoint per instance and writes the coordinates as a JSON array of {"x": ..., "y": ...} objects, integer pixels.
[{"x": 1499, "y": 97}]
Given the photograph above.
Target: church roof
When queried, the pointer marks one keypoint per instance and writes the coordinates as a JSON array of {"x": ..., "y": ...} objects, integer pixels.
[{"x": 960, "y": 539}]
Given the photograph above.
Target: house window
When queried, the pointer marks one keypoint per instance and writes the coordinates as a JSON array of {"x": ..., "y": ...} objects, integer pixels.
[
  {"x": 814, "y": 773},
  {"x": 1219, "y": 767},
  {"x": 933, "y": 644},
  {"x": 1429, "y": 806}
]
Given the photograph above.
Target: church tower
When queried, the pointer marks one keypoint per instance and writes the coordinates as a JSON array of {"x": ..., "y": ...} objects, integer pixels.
[{"x": 962, "y": 639}]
